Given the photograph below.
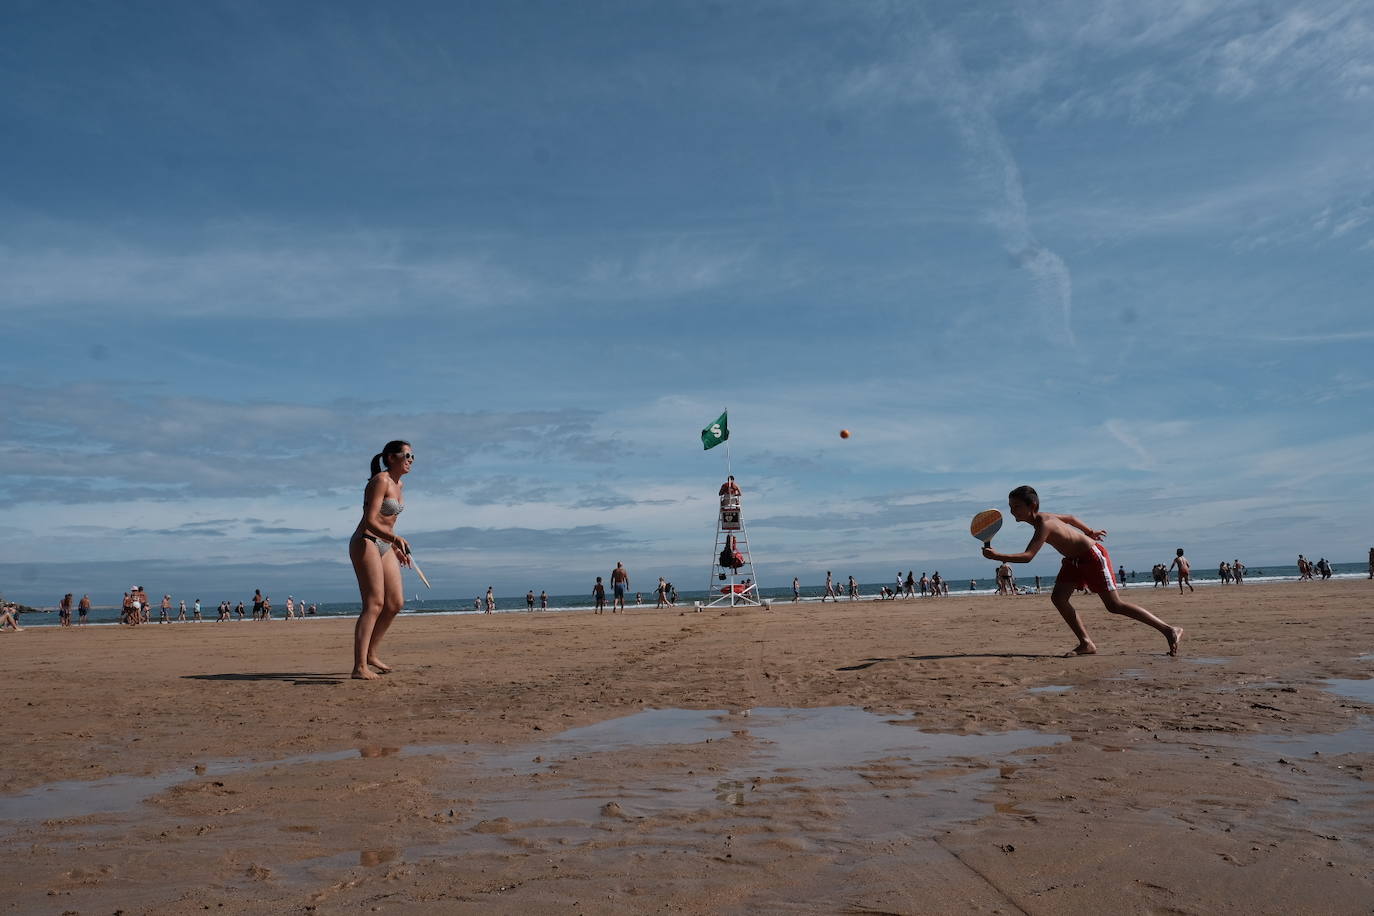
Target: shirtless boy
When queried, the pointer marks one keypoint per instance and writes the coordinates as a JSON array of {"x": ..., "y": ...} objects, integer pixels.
[
  {"x": 1086, "y": 565},
  {"x": 1184, "y": 571}
]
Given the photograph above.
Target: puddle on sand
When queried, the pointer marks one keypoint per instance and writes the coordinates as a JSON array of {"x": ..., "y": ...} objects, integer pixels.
[
  {"x": 1051, "y": 688},
  {"x": 117, "y": 794},
  {"x": 1207, "y": 660},
  {"x": 823, "y": 749},
  {"x": 1355, "y": 689},
  {"x": 829, "y": 738},
  {"x": 780, "y": 753}
]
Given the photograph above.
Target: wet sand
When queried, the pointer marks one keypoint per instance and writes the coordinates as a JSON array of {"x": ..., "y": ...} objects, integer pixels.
[{"x": 866, "y": 757}]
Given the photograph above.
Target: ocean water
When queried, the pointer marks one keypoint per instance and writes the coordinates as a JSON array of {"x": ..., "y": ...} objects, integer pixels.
[{"x": 415, "y": 604}]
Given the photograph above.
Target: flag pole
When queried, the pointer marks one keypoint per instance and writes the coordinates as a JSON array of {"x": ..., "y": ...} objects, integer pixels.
[{"x": 729, "y": 468}]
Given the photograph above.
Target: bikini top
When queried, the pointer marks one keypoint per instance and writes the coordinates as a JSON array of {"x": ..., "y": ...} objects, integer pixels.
[{"x": 391, "y": 507}]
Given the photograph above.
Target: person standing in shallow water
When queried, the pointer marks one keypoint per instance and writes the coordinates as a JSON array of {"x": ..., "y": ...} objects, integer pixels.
[{"x": 378, "y": 553}]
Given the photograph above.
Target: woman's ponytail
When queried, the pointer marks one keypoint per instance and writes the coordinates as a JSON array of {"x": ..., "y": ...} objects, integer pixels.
[{"x": 394, "y": 447}]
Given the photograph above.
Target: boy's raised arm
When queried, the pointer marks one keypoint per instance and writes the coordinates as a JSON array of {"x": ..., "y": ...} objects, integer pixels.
[{"x": 1096, "y": 534}]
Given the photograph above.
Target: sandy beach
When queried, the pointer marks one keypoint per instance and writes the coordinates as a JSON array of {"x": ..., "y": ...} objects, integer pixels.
[{"x": 915, "y": 756}]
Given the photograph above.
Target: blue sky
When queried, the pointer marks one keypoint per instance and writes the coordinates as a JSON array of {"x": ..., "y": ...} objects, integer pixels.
[{"x": 1122, "y": 252}]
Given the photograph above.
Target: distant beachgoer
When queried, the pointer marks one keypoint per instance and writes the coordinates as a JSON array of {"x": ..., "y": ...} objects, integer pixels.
[
  {"x": 1184, "y": 571},
  {"x": 661, "y": 592},
  {"x": 639, "y": 599},
  {"x": 924, "y": 583},
  {"x": 529, "y": 601},
  {"x": 729, "y": 493},
  {"x": 127, "y": 609},
  {"x": 599, "y": 593},
  {"x": 164, "y": 610},
  {"x": 290, "y": 607},
  {"x": 476, "y": 604},
  {"x": 64, "y": 610},
  {"x": 909, "y": 586},
  {"x": 796, "y": 589},
  {"x": 1238, "y": 571},
  {"x": 257, "y": 603},
  {"x": 1224, "y": 572},
  {"x": 238, "y": 609},
  {"x": 8, "y": 618},
  {"x": 972, "y": 585},
  {"x": 829, "y": 588},
  {"x": 1037, "y": 585},
  {"x": 543, "y": 600},
  {"x": 1086, "y": 564},
  {"x": 378, "y": 553},
  {"x": 195, "y": 610},
  {"x": 1004, "y": 580},
  {"x": 491, "y": 599},
  {"x": 266, "y": 607},
  {"x": 1121, "y": 576},
  {"x": 82, "y": 609},
  {"x": 620, "y": 581},
  {"x": 853, "y": 589}
]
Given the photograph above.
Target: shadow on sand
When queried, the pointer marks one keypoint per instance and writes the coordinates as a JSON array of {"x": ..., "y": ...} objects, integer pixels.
[
  {"x": 870, "y": 662},
  {"x": 299, "y": 678}
]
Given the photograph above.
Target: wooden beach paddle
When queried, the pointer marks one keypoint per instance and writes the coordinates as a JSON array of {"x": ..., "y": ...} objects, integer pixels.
[
  {"x": 418, "y": 571},
  {"x": 985, "y": 524}
]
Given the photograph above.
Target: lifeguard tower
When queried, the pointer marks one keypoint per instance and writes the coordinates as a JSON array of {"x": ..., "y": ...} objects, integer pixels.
[{"x": 734, "y": 580}]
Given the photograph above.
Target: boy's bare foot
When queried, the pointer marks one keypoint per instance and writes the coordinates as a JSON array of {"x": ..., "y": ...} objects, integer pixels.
[
  {"x": 1175, "y": 634},
  {"x": 365, "y": 674},
  {"x": 1083, "y": 648},
  {"x": 381, "y": 666}
]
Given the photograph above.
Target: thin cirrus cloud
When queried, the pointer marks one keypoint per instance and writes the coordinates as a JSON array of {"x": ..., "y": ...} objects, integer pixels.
[
  {"x": 930, "y": 69},
  {"x": 307, "y": 280},
  {"x": 207, "y": 447},
  {"x": 314, "y": 277}
]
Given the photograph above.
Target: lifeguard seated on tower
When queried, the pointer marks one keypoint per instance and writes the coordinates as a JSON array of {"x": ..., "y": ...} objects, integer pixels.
[
  {"x": 738, "y": 588},
  {"x": 730, "y": 557},
  {"x": 729, "y": 494}
]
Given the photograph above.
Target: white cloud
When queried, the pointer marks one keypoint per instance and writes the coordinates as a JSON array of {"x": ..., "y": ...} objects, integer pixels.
[
  {"x": 931, "y": 69},
  {"x": 664, "y": 271},
  {"x": 306, "y": 278},
  {"x": 1121, "y": 431}
]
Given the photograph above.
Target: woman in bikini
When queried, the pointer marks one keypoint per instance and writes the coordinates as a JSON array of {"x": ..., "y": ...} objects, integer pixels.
[{"x": 378, "y": 553}]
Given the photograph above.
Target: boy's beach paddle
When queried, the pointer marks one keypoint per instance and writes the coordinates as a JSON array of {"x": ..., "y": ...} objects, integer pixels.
[{"x": 985, "y": 524}]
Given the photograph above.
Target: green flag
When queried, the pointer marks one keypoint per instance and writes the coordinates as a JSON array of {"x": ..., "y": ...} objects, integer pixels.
[{"x": 716, "y": 433}]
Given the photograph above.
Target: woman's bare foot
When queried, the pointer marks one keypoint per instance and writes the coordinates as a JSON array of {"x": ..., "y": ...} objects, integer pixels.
[
  {"x": 365, "y": 674},
  {"x": 1175, "y": 634},
  {"x": 381, "y": 666},
  {"x": 1083, "y": 648}
]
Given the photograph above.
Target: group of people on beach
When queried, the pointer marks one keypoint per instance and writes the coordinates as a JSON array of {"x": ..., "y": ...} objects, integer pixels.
[
  {"x": 1309, "y": 571},
  {"x": 136, "y": 608},
  {"x": 908, "y": 586}
]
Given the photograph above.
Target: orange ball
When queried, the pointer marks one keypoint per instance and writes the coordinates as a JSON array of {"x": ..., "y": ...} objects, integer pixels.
[{"x": 844, "y": 434}]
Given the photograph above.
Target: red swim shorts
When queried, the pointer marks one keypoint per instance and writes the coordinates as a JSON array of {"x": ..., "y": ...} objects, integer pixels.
[{"x": 1091, "y": 572}]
